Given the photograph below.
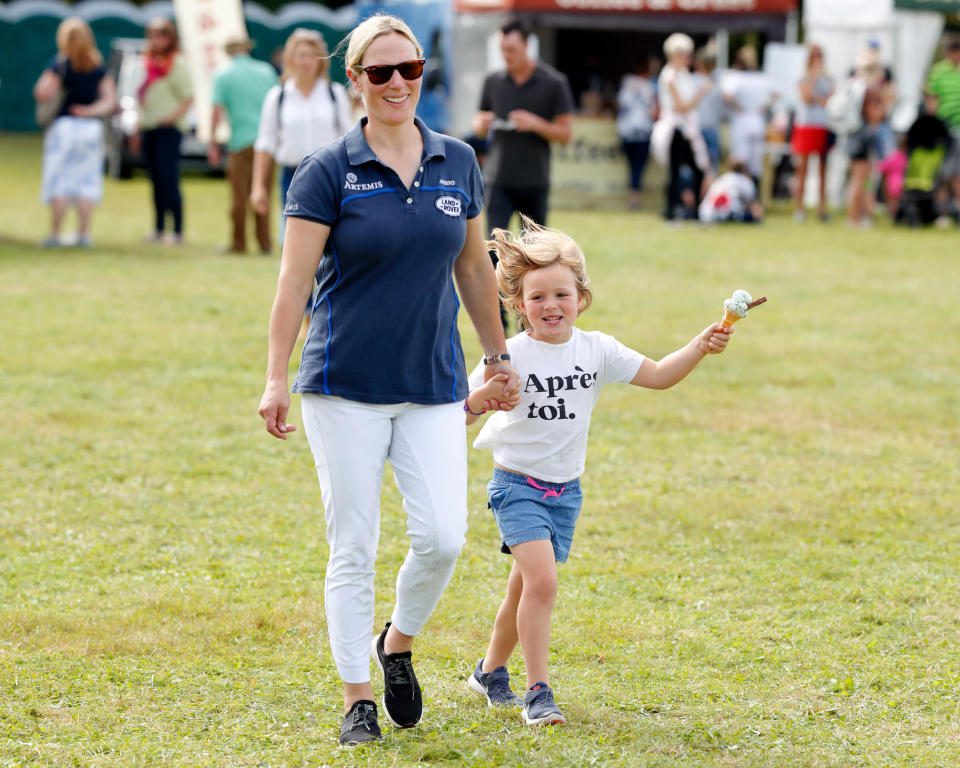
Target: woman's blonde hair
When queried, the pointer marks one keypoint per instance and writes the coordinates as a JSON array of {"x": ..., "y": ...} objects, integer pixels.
[
  {"x": 677, "y": 43},
  {"x": 75, "y": 41},
  {"x": 536, "y": 247},
  {"x": 369, "y": 30},
  {"x": 309, "y": 37}
]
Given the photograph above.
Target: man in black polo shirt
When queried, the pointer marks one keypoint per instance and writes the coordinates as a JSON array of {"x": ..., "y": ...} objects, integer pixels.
[{"x": 522, "y": 110}]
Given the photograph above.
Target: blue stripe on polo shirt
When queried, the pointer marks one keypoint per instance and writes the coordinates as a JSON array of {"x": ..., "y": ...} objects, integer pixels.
[
  {"x": 386, "y": 272},
  {"x": 447, "y": 189},
  {"x": 326, "y": 297},
  {"x": 366, "y": 194},
  {"x": 453, "y": 345}
]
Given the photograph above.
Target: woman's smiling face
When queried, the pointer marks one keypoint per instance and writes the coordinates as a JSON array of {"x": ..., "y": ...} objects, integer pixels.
[{"x": 394, "y": 102}]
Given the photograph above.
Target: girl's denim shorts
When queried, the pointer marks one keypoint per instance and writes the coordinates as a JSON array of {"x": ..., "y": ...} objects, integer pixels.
[{"x": 527, "y": 509}]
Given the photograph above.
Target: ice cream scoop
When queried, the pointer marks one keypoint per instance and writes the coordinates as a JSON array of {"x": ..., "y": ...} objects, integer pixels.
[{"x": 736, "y": 307}]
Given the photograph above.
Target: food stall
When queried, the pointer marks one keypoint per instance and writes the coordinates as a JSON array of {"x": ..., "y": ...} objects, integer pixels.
[{"x": 594, "y": 43}]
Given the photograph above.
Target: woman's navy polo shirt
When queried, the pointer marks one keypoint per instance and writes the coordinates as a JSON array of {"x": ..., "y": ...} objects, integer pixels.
[{"x": 384, "y": 323}]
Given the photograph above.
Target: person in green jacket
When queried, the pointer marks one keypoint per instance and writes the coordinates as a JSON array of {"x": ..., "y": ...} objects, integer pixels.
[{"x": 943, "y": 81}]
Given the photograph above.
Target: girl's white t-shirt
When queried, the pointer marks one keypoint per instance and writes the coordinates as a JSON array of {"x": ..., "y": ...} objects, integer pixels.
[{"x": 545, "y": 435}]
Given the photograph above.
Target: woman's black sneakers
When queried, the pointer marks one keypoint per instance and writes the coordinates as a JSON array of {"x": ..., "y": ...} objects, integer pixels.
[
  {"x": 402, "y": 700},
  {"x": 360, "y": 724}
]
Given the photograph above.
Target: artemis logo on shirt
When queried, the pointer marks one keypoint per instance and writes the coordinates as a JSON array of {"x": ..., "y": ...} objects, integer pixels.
[
  {"x": 351, "y": 184},
  {"x": 551, "y": 386}
]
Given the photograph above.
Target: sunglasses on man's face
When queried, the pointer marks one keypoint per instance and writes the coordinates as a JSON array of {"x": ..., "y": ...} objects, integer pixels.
[{"x": 378, "y": 74}]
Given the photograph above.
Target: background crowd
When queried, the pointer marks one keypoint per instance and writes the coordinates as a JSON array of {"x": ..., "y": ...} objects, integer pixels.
[
  {"x": 712, "y": 132},
  {"x": 910, "y": 170}
]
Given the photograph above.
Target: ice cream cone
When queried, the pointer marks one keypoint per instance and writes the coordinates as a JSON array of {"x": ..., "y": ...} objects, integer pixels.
[{"x": 729, "y": 317}]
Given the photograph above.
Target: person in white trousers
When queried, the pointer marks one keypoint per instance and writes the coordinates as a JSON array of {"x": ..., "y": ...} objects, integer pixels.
[{"x": 384, "y": 217}]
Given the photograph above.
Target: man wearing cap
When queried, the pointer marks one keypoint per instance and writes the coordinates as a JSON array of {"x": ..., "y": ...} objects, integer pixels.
[
  {"x": 944, "y": 82},
  {"x": 238, "y": 93}
]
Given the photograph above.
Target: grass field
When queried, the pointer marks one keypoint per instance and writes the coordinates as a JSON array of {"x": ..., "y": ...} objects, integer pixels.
[{"x": 765, "y": 572}]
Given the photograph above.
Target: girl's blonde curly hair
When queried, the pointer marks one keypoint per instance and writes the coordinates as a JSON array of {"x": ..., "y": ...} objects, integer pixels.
[{"x": 536, "y": 247}]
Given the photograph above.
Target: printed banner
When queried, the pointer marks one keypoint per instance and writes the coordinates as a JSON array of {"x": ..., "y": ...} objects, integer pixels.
[
  {"x": 204, "y": 26},
  {"x": 590, "y": 171}
]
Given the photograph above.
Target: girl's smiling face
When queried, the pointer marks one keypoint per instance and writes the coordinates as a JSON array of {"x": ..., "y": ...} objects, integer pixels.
[
  {"x": 551, "y": 303},
  {"x": 395, "y": 101}
]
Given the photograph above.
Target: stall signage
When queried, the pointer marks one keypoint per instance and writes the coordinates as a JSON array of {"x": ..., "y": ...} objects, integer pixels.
[
  {"x": 591, "y": 171},
  {"x": 650, "y": 6}
]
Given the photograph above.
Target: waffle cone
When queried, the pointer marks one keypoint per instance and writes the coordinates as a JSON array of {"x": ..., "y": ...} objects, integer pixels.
[{"x": 729, "y": 318}]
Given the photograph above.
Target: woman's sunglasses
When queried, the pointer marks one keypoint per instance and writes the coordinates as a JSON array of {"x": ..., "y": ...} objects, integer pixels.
[{"x": 378, "y": 74}]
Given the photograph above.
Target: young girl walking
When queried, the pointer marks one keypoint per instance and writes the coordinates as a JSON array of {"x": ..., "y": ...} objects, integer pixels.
[{"x": 539, "y": 447}]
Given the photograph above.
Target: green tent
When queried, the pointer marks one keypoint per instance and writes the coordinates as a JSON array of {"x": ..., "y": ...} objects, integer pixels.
[{"x": 28, "y": 31}]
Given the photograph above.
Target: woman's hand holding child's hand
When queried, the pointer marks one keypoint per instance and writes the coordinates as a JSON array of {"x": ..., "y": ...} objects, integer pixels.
[
  {"x": 714, "y": 339},
  {"x": 497, "y": 398},
  {"x": 494, "y": 394},
  {"x": 506, "y": 393}
]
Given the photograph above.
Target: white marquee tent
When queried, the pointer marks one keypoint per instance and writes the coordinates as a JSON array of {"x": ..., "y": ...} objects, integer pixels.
[{"x": 908, "y": 39}]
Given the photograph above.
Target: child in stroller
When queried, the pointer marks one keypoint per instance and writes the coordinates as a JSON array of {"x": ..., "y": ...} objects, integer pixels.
[{"x": 927, "y": 143}]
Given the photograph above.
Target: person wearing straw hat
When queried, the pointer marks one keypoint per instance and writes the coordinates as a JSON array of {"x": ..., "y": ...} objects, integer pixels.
[{"x": 239, "y": 90}]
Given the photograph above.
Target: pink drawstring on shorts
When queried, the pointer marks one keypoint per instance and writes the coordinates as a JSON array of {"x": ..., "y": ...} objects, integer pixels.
[{"x": 547, "y": 491}]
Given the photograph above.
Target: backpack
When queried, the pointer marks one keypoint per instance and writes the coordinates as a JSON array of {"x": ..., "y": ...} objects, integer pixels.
[{"x": 845, "y": 107}]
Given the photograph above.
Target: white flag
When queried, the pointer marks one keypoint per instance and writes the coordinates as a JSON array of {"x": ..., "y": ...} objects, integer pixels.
[{"x": 204, "y": 26}]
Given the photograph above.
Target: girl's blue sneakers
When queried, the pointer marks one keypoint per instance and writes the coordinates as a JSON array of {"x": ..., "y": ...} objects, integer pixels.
[
  {"x": 539, "y": 708},
  {"x": 494, "y": 686}
]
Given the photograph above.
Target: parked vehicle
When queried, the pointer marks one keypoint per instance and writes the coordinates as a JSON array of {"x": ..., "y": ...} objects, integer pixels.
[{"x": 125, "y": 63}]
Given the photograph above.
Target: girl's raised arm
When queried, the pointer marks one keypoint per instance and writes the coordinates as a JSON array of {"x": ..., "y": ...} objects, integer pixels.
[{"x": 675, "y": 366}]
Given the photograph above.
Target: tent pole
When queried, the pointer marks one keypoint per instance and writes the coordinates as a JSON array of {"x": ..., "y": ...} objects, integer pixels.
[{"x": 723, "y": 48}]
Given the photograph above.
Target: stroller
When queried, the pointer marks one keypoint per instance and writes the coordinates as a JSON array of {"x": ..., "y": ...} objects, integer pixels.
[{"x": 918, "y": 205}]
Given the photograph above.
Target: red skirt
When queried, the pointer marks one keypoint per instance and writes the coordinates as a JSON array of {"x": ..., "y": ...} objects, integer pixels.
[{"x": 809, "y": 140}]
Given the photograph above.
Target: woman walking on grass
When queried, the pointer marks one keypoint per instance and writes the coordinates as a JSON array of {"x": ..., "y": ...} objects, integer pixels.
[
  {"x": 386, "y": 216},
  {"x": 73, "y": 144}
]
